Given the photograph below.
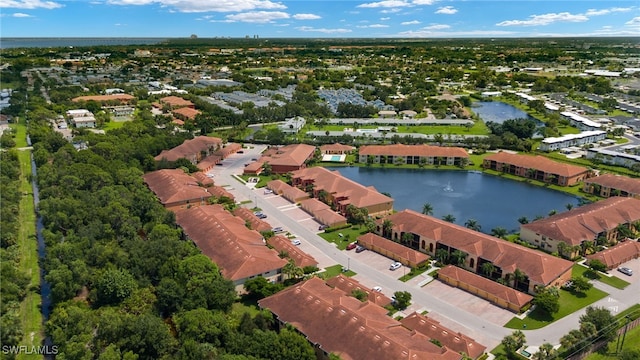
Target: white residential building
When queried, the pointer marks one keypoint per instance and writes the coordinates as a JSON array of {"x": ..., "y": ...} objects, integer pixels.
[
  {"x": 613, "y": 157},
  {"x": 583, "y": 138},
  {"x": 580, "y": 121},
  {"x": 292, "y": 125}
]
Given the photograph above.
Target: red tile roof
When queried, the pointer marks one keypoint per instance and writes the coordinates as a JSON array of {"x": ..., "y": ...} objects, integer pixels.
[
  {"x": 299, "y": 257},
  {"x": 401, "y": 252},
  {"x": 256, "y": 223},
  {"x": 186, "y": 112},
  {"x": 541, "y": 268},
  {"x": 190, "y": 148},
  {"x": 339, "y": 186},
  {"x": 586, "y": 222},
  {"x": 289, "y": 192},
  {"x": 105, "y": 98},
  {"x": 239, "y": 252},
  {"x": 413, "y": 150},
  {"x": 336, "y": 148},
  {"x": 174, "y": 186},
  {"x": 455, "y": 341},
  {"x": 202, "y": 178},
  {"x": 617, "y": 254},
  {"x": 351, "y": 329},
  {"x": 510, "y": 295},
  {"x": 348, "y": 285},
  {"x": 537, "y": 162},
  {"x": 290, "y": 155},
  {"x": 623, "y": 183},
  {"x": 322, "y": 212},
  {"x": 175, "y": 101}
]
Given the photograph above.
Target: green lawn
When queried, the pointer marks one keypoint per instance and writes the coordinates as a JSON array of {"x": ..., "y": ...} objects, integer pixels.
[
  {"x": 479, "y": 128},
  {"x": 349, "y": 235},
  {"x": 569, "y": 303},
  {"x": 631, "y": 341},
  {"x": 616, "y": 282},
  {"x": 499, "y": 352},
  {"x": 21, "y": 134},
  {"x": 335, "y": 270},
  {"x": 113, "y": 125},
  {"x": 30, "y": 314}
]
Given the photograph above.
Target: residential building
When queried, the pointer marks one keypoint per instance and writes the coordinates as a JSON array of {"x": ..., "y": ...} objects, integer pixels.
[
  {"x": 336, "y": 149},
  {"x": 536, "y": 167},
  {"x": 175, "y": 102},
  {"x": 349, "y": 285},
  {"x": 287, "y": 191},
  {"x": 186, "y": 113},
  {"x": 240, "y": 253},
  {"x": 177, "y": 190},
  {"x": 613, "y": 157},
  {"x": 283, "y": 245},
  {"x": 617, "y": 254},
  {"x": 431, "y": 235},
  {"x": 251, "y": 220},
  {"x": 583, "y": 138},
  {"x": 82, "y": 118},
  {"x": 322, "y": 212},
  {"x": 340, "y": 192},
  {"x": 412, "y": 154},
  {"x": 292, "y": 125},
  {"x": 596, "y": 223},
  {"x": 193, "y": 150},
  {"x": 336, "y": 323},
  {"x": 283, "y": 159},
  {"x": 393, "y": 250},
  {"x": 487, "y": 289},
  {"x": 607, "y": 185},
  {"x": 581, "y": 122},
  {"x": 110, "y": 99},
  {"x": 453, "y": 340}
]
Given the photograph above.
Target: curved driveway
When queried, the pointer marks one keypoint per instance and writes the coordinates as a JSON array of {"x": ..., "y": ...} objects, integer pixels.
[{"x": 487, "y": 333}]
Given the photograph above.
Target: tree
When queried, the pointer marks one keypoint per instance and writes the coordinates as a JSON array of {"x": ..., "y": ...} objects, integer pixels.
[
  {"x": 458, "y": 257},
  {"x": 472, "y": 224},
  {"x": 513, "y": 342},
  {"x": 546, "y": 352},
  {"x": 406, "y": 238},
  {"x": 427, "y": 209},
  {"x": 291, "y": 271},
  {"x": 518, "y": 277},
  {"x": 597, "y": 265},
  {"x": 499, "y": 232},
  {"x": 359, "y": 294},
  {"x": 449, "y": 218},
  {"x": 260, "y": 287},
  {"x": 569, "y": 206},
  {"x": 387, "y": 225},
  {"x": 547, "y": 302},
  {"x": 442, "y": 255},
  {"x": 571, "y": 340},
  {"x": 523, "y": 220},
  {"x": 114, "y": 285},
  {"x": 581, "y": 284},
  {"x": 487, "y": 269},
  {"x": 402, "y": 299},
  {"x": 602, "y": 319}
]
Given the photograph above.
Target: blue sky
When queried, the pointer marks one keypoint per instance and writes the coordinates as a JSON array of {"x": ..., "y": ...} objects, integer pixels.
[{"x": 318, "y": 18}]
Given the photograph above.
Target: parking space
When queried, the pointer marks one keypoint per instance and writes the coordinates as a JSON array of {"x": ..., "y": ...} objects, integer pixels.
[
  {"x": 634, "y": 265},
  {"x": 469, "y": 302},
  {"x": 379, "y": 262}
]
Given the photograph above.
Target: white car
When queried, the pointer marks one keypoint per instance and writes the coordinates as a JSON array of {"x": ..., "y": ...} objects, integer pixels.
[
  {"x": 395, "y": 266},
  {"x": 296, "y": 242},
  {"x": 377, "y": 289}
]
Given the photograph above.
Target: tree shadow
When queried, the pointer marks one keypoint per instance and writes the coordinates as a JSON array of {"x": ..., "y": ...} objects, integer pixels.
[{"x": 540, "y": 315}]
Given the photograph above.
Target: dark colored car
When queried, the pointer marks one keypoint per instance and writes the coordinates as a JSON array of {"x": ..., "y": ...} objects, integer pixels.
[
  {"x": 351, "y": 246},
  {"x": 322, "y": 227},
  {"x": 360, "y": 249}
]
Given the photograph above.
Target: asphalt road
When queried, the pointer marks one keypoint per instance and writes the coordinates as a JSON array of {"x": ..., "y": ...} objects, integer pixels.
[{"x": 487, "y": 333}]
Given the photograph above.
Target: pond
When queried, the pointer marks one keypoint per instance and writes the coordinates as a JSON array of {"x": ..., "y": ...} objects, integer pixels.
[
  {"x": 492, "y": 201},
  {"x": 498, "y": 112}
]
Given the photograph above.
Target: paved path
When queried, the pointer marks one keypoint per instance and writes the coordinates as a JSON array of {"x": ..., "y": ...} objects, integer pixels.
[{"x": 486, "y": 332}]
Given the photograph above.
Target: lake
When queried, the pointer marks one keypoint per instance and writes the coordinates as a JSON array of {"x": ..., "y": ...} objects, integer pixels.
[
  {"x": 491, "y": 200},
  {"x": 498, "y": 112}
]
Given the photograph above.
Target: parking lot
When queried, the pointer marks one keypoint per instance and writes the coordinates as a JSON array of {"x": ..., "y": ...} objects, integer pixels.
[{"x": 634, "y": 265}]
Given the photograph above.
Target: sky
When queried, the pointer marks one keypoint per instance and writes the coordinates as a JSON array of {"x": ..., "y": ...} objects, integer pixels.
[{"x": 319, "y": 18}]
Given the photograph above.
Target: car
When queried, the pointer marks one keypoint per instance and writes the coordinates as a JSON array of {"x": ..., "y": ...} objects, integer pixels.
[
  {"x": 360, "y": 249},
  {"x": 278, "y": 229},
  {"x": 395, "y": 266},
  {"x": 268, "y": 191},
  {"x": 240, "y": 151},
  {"x": 262, "y": 216},
  {"x": 296, "y": 242},
  {"x": 219, "y": 164},
  {"x": 322, "y": 227},
  {"x": 257, "y": 213},
  {"x": 626, "y": 271},
  {"x": 351, "y": 246},
  {"x": 377, "y": 289}
]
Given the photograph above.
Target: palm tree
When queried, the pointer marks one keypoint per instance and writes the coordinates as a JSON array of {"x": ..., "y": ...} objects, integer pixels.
[
  {"x": 427, "y": 209},
  {"x": 473, "y": 224},
  {"x": 545, "y": 352},
  {"x": 518, "y": 277},
  {"x": 569, "y": 206},
  {"x": 523, "y": 220},
  {"x": 553, "y": 212},
  {"x": 386, "y": 228},
  {"x": 531, "y": 173},
  {"x": 442, "y": 255},
  {"x": 291, "y": 271},
  {"x": 588, "y": 247},
  {"x": 406, "y": 238},
  {"x": 458, "y": 257},
  {"x": 487, "y": 269},
  {"x": 449, "y": 218},
  {"x": 499, "y": 232}
]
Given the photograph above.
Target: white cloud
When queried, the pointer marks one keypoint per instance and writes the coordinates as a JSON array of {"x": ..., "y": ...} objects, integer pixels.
[
  {"x": 412, "y": 22},
  {"x": 634, "y": 22},
  {"x": 21, "y": 15},
  {"x": 385, "y": 4},
  {"x": 447, "y": 10},
  {"x": 384, "y": 18},
  {"x": 424, "y": 2},
  {"x": 594, "y": 12},
  {"x": 190, "y": 6},
  {"x": 373, "y": 26},
  {"x": 436, "y": 27},
  {"x": 472, "y": 33},
  {"x": 323, "y": 30},
  {"x": 306, "y": 17},
  {"x": 258, "y": 17},
  {"x": 545, "y": 19},
  {"x": 29, "y": 4},
  {"x": 390, "y": 11}
]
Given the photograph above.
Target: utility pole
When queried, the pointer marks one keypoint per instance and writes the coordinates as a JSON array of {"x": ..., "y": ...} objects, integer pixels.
[{"x": 624, "y": 334}]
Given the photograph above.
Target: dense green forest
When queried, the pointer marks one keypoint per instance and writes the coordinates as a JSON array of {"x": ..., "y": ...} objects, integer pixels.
[{"x": 124, "y": 283}]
